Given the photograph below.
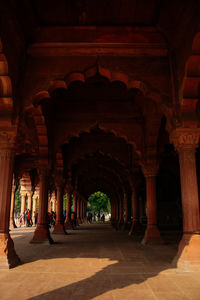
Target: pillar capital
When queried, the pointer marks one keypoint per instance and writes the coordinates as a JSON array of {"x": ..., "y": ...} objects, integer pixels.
[
  {"x": 7, "y": 140},
  {"x": 150, "y": 168},
  {"x": 68, "y": 188},
  {"x": 185, "y": 138},
  {"x": 75, "y": 193},
  {"x": 23, "y": 193},
  {"x": 59, "y": 180}
]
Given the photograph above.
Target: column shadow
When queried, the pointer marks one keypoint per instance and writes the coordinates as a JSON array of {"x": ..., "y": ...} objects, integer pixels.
[{"x": 135, "y": 263}]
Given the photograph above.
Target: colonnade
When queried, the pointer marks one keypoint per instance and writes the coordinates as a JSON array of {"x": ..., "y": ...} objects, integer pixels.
[{"x": 185, "y": 143}]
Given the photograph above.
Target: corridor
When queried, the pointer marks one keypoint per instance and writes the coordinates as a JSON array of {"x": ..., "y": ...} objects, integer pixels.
[{"x": 95, "y": 262}]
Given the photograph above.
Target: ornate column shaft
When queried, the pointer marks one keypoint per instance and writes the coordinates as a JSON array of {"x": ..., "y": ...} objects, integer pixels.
[
  {"x": 8, "y": 256},
  {"x": 186, "y": 141},
  {"x": 127, "y": 218},
  {"x": 152, "y": 234},
  {"x": 12, "y": 207},
  {"x": 78, "y": 211},
  {"x": 68, "y": 224},
  {"x": 135, "y": 227},
  {"x": 81, "y": 209},
  {"x": 121, "y": 211},
  {"x": 35, "y": 203},
  {"x": 126, "y": 208},
  {"x": 29, "y": 201},
  {"x": 59, "y": 226},
  {"x": 42, "y": 234},
  {"x": 23, "y": 202},
  {"x": 75, "y": 201}
]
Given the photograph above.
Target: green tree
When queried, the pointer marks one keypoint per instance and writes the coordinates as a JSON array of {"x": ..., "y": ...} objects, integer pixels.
[
  {"x": 98, "y": 202},
  {"x": 64, "y": 202},
  {"x": 18, "y": 199}
]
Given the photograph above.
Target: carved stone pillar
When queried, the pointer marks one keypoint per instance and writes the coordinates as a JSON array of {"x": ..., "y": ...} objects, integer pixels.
[
  {"x": 75, "y": 205},
  {"x": 23, "y": 202},
  {"x": 135, "y": 227},
  {"x": 75, "y": 201},
  {"x": 81, "y": 209},
  {"x": 12, "y": 207},
  {"x": 127, "y": 219},
  {"x": 186, "y": 141},
  {"x": 29, "y": 195},
  {"x": 68, "y": 224},
  {"x": 152, "y": 234},
  {"x": 78, "y": 211},
  {"x": 42, "y": 234},
  {"x": 59, "y": 226},
  {"x": 35, "y": 197},
  {"x": 117, "y": 211},
  {"x": 121, "y": 213},
  {"x": 82, "y": 213},
  {"x": 8, "y": 256}
]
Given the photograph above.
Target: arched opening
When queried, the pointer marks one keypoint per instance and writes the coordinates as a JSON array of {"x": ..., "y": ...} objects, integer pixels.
[{"x": 99, "y": 206}]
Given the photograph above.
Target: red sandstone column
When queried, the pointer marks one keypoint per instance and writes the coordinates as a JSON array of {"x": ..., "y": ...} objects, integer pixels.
[
  {"x": 81, "y": 210},
  {"x": 23, "y": 202},
  {"x": 135, "y": 224},
  {"x": 152, "y": 234},
  {"x": 127, "y": 212},
  {"x": 42, "y": 234},
  {"x": 12, "y": 207},
  {"x": 59, "y": 226},
  {"x": 75, "y": 201},
  {"x": 35, "y": 203},
  {"x": 121, "y": 212},
  {"x": 117, "y": 211},
  {"x": 29, "y": 201},
  {"x": 186, "y": 141},
  {"x": 78, "y": 211},
  {"x": 8, "y": 256},
  {"x": 68, "y": 224}
]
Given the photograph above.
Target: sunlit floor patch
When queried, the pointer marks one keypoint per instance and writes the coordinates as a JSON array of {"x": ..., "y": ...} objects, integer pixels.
[{"x": 95, "y": 264}]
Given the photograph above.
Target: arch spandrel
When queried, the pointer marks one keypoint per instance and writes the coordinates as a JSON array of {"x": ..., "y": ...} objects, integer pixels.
[
  {"x": 190, "y": 90},
  {"x": 8, "y": 126},
  {"x": 76, "y": 132}
]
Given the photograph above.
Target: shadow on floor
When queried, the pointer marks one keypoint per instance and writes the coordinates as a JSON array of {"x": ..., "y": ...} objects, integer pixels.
[{"x": 131, "y": 263}]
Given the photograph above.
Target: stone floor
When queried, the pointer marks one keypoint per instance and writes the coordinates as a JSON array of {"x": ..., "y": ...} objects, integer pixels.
[{"x": 95, "y": 262}]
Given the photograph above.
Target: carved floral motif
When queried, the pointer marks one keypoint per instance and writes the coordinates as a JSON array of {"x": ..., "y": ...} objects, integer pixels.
[{"x": 185, "y": 139}]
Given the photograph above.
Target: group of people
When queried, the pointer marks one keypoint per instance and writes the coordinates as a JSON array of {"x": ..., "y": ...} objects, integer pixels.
[
  {"x": 28, "y": 219},
  {"x": 94, "y": 216}
]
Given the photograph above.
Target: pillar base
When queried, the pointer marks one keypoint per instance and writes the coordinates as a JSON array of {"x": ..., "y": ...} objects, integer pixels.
[
  {"x": 127, "y": 225},
  {"x": 152, "y": 235},
  {"x": 188, "y": 256},
  {"x": 120, "y": 224},
  {"x": 59, "y": 229},
  {"x": 136, "y": 227},
  {"x": 79, "y": 221},
  {"x": 42, "y": 235},
  {"x": 68, "y": 225},
  {"x": 12, "y": 225},
  {"x": 8, "y": 256}
]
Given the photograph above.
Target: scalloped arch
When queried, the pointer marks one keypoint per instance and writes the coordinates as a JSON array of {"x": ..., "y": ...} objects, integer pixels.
[
  {"x": 6, "y": 100},
  {"x": 191, "y": 83},
  {"x": 77, "y": 133},
  {"x": 40, "y": 126},
  {"x": 85, "y": 75}
]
